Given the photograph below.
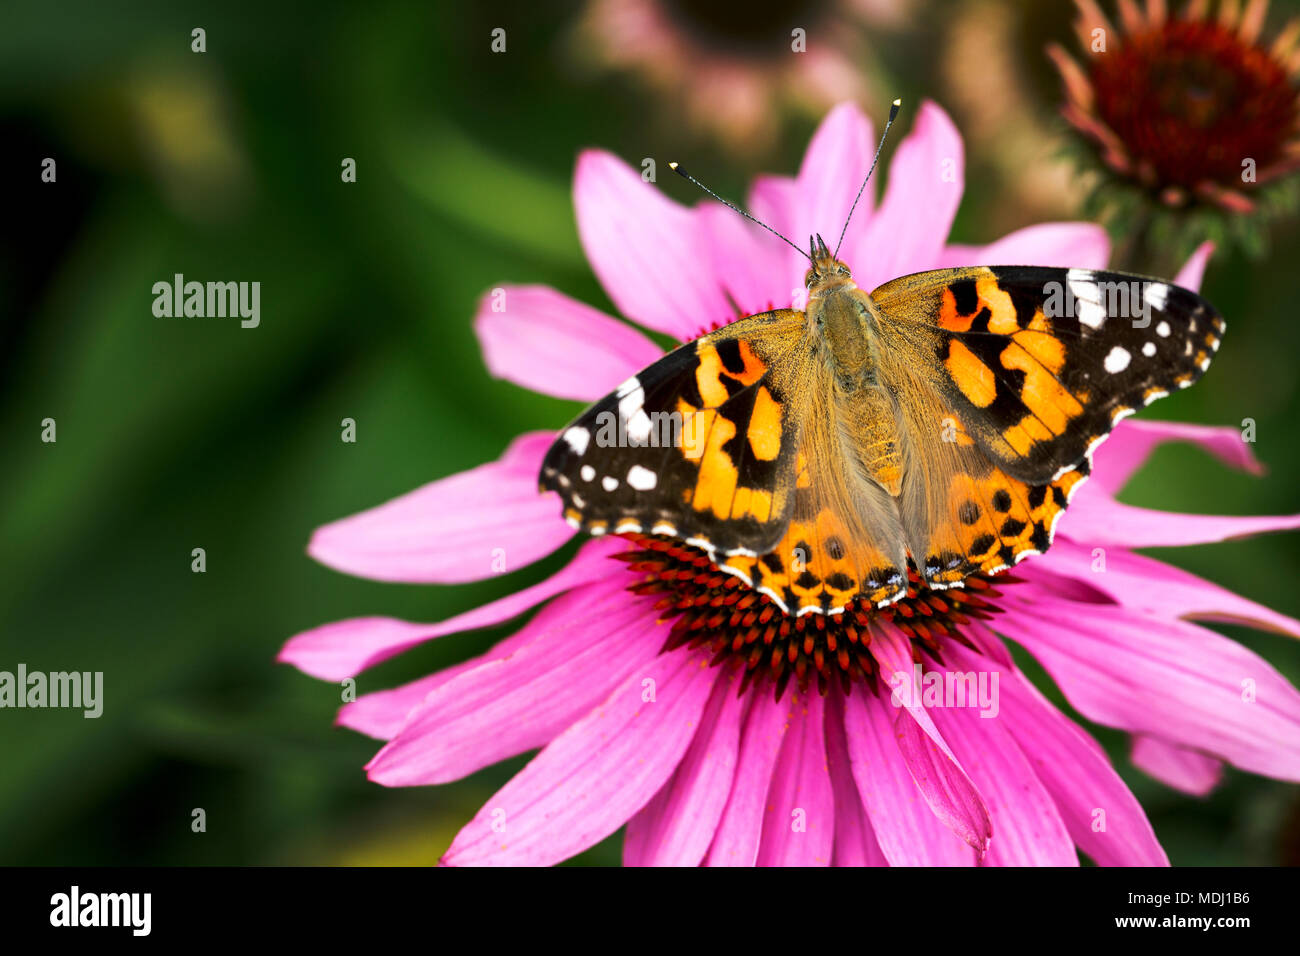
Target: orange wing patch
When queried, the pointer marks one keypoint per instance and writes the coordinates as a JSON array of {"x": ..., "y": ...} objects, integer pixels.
[
  {"x": 820, "y": 565},
  {"x": 971, "y": 375},
  {"x": 997, "y": 522}
]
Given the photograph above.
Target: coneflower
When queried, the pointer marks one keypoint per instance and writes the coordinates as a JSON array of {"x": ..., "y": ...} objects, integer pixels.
[{"x": 667, "y": 697}]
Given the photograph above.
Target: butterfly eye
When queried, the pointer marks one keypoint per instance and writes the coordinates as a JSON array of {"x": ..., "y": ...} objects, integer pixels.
[
  {"x": 810, "y": 278},
  {"x": 843, "y": 270}
]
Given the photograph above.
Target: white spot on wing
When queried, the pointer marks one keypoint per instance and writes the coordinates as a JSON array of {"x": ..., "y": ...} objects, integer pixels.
[
  {"x": 1117, "y": 360},
  {"x": 1163, "y": 330},
  {"x": 1149, "y": 349},
  {"x": 642, "y": 479},
  {"x": 578, "y": 438},
  {"x": 587, "y": 472},
  {"x": 1083, "y": 287},
  {"x": 608, "y": 483}
]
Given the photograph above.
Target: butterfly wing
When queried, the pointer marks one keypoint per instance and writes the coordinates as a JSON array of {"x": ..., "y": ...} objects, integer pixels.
[
  {"x": 1039, "y": 363},
  {"x": 700, "y": 446},
  {"x": 1007, "y": 378}
]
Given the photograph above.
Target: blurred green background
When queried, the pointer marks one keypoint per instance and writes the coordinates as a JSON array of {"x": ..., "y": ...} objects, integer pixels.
[{"x": 177, "y": 434}]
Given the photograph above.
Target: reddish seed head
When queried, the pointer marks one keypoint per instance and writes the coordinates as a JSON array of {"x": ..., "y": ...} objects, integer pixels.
[{"x": 748, "y": 629}]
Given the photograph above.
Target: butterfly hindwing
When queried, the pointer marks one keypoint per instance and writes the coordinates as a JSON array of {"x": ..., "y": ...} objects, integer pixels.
[
  {"x": 700, "y": 446},
  {"x": 845, "y": 538},
  {"x": 1039, "y": 363}
]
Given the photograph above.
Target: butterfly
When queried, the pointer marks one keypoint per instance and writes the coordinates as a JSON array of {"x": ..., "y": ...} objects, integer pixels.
[{"x": 940, "y": 422}]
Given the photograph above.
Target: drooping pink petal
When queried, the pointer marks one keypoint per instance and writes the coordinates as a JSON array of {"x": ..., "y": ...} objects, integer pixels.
[
  {"x": 906, "y": 829},
  {"x": 892, "y": 650},
  {"x": 1027, "y": 827},
  {"x": 677, "y": 826},
  {"x": 593, "y": 777},
  {"x": 1131, "y": 443},
  {"x": 1179, "y": 767},
  {"x": 1102, "y": 816},
  {"x": 736, "y": 841},
  {"x": 1171, "y": 679},
  {"x": 1099, "y": 521},
  {"x": 545, "y": 341},
  {"x": 457, "y": 529},
  {"x": 584, "y": 643},
  {"x": 938, "y": 774},
  {"x": 855, "y": 840},
  {"x": 943, "y": 783},
  {"x": 1153, "y": 587},
  {"x": 1193, "y": 270},
  {"x": 1067, "y": 245},
  {"x": 647, "y": 251},
  {"x": 926, "y": 178},
  {"x": 346, "y": 648},
  {"x": 799, "y": 825}
]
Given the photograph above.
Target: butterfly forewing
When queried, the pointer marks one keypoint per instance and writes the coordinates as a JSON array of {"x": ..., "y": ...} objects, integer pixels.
[
  {"x": 1039, "y": 363},
  {"x": 701, "y": 445}
]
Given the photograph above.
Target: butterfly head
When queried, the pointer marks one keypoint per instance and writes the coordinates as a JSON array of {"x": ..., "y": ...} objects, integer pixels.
[{"x": 827, "y": 273}]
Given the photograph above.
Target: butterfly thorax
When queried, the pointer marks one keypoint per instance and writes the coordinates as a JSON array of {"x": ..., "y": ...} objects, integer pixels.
[{"x": 842, "y": 320}]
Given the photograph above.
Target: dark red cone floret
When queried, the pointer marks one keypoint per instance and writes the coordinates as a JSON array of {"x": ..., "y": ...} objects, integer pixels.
[{"x": 709, "y": 608}]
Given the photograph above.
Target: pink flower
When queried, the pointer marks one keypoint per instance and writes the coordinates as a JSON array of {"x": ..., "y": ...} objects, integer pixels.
[{"x": 661, "y": 740}]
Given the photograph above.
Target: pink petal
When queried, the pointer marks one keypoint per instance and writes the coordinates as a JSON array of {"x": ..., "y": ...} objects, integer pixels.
[
  {"x": 1098, "y": 521},
  {"x": 455, "y": 529},
  {"x": 346, "y": 648},
  {"x": 647, "y": 251},
  {"x": 892, "y": 650},
  {"x": 1171, "y": 679},
  {"x": 753, "y": 265},
  {"x": 776, "y": 201},
  {"x": 855, "y": 840},
  {"x": 834, "y": 164},
  {"x": 906, "y": 829},
  {"x": 1183, "y": 769},
  {"x": 583, "y": 644},
  {"x": 552, "y": 344},
  {"x": 1073, "y": 769},
  {"x": 1133, "y": 440},
  {"x": 1152, "y": 587},
  {"x": 799, "y": 825},
  {"x": 737, "y": 838},
  {"x": 1027, "y": 827},
  {"x": 677, "y": 826},
  {"x": 1068, "y": 245},
  {"x": 943, "y": 783},
  {"x": 926, "y": 178},
  {"x": 592, "y": 778},
  {"x": 382, "y": 714},
  {"x": 1190, "y": 275}
]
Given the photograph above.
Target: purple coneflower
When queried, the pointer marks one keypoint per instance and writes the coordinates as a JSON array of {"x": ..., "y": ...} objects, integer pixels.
[{"x": 668, "y": 697}]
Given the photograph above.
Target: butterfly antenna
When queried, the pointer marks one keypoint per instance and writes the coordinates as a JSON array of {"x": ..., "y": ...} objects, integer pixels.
[
  {"x": 893, "y": 114},
  {"x": 731, "y": 205}
]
